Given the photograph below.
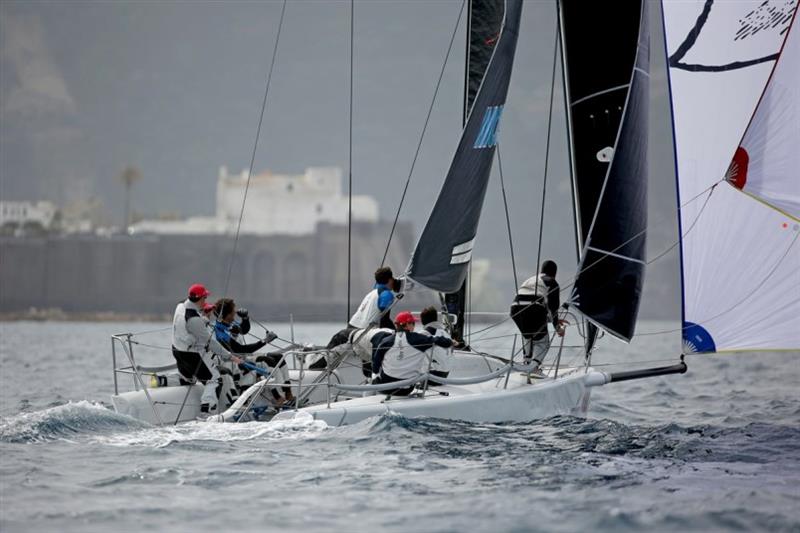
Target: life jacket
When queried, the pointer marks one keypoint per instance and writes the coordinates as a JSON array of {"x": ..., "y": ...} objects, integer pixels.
[
  {"x": 181, "y": 338},
  {"x": 402, "y": 360},
  {"x": 368, "y": 311},
  {"x": 362, "y": 341},
  {"x": 442, "y": 357},
  {"x": 529, "y": 310}
]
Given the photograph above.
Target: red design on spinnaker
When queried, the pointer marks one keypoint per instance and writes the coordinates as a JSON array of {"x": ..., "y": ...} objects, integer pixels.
[{"x": 737, "y": 171}]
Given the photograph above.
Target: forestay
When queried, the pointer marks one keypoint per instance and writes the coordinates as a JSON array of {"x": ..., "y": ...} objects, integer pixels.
[
  {"x": 444, "y": 250},
  {"x": 740, "y": 255},
  {"x": 608, "y": 112}
]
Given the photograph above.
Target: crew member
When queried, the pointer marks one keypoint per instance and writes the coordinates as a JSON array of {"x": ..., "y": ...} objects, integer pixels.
[
  {"x": 536, "y": 304},
  {"x": 228, "y": 329},
  {"x": 373, "y": 311},
  {"x": 195, "y": 348},
  {"x": 400, "y": 356},
  {"x": 441, "y": 358}
]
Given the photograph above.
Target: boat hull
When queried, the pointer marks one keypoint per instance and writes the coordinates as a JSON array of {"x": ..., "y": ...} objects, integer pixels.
[
  {"x": 167, "y": 403},
  {"x": 520, "y": 402}
]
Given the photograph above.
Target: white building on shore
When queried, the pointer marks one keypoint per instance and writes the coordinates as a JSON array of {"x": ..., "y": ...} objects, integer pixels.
[
  {"x": 21, "y": 214},
  {"x": 277, "y": 204}
]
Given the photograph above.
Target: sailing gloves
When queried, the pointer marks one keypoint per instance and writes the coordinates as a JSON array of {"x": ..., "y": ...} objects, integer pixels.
[
  {"x": 270, "y": 337},
  {"x": 242, "y": 312}
]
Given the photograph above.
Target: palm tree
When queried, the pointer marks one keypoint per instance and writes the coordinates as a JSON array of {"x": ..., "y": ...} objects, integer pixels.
[{"x": 128, "y": 177}]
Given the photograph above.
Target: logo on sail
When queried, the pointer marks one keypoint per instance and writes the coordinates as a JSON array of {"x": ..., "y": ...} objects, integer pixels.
[
  {"x": 487, "y": 136},
  {"x": 462, "y": 253},
  {"x": 737, "y": 171}
]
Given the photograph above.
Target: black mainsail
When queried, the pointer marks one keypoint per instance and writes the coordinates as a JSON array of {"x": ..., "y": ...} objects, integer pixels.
[
  {"x": 606, "y": 63},
  {"x": 441, "y": 258}
]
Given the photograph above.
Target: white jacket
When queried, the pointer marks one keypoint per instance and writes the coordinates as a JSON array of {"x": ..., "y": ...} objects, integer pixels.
[
  {"x": 442, "y": 357},
  {"x": 191, "y": 331}
]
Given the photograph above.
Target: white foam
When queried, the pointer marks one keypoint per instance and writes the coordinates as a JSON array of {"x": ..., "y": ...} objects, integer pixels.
[{"x": 302, "y": 426}]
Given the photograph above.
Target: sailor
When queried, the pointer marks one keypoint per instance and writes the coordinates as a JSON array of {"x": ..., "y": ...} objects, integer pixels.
[
  {"x": 400, "y": 356},
  {"x": 441, "y": 358},
  {"x": 232, "y": 323},
  {"x": 364, "y": 342},
  {"x": 373, "y": 311},
  {"x": 195, "y": 347},
  {"x": 536, "y": 304}
]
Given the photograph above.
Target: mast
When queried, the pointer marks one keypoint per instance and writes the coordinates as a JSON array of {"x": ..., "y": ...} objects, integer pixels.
[{"x": 591, "y": 329}]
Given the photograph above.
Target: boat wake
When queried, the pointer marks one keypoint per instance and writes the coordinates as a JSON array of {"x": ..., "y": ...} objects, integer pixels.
[
  {"x": 303, "y": 426},
  {"x": 64, "y": 422}
]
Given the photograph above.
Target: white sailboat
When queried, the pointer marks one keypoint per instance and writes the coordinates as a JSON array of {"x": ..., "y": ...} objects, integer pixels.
[{"x": 733, "y": 79}]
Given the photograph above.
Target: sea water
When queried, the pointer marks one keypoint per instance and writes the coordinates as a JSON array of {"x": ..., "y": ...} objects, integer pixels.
[{"x": 715, "y": 449}]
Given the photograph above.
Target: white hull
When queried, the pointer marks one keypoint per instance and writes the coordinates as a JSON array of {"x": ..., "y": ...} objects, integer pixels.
[
  {"x": 489, "y": 401},
  {"x": 484, "y": 402},
  {"x": 166, "y": 401}
]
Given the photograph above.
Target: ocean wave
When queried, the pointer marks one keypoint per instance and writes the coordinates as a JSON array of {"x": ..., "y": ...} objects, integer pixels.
[
  {"x": 63, "y": 422},
  {"x": 574, "y": 436}
]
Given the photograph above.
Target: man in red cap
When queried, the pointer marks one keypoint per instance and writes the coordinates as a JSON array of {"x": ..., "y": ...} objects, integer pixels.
[
  {"x": 195, "y": 348},
  {"x": 403, "y": 355}
]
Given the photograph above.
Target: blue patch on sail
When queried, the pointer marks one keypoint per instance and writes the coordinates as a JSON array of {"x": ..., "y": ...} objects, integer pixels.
[
  {"x": 487, "y": 136},
  {"x": 696, "y": 339}
]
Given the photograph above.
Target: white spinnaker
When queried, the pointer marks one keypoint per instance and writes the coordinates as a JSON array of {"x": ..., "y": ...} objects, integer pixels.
[
  {"x": 740, "y": 257},
  {"x": 772, "y": 142}
]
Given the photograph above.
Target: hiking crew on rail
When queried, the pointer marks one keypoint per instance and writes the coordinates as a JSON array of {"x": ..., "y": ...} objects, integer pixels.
[{"x": 195, "y": 348}]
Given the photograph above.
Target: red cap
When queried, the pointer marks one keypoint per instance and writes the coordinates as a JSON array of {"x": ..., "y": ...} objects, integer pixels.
[
  {"x": 198, "y": 291},
  {"x": 404, "y": 317},
  {"x": 207, "y": 308}
]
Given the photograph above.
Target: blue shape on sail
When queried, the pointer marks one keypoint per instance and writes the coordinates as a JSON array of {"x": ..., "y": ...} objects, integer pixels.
[
  {"x": 696, "y": 339},
  {"x": 487, "y": 136}
]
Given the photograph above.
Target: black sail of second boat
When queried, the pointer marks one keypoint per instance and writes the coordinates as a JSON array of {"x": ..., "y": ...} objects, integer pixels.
[
  {"x": 444, "y": 250},
  {"x": 606, "y": 64}
]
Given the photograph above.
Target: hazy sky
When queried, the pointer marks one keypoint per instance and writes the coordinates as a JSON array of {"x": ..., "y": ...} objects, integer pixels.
[{"x": 175, "y": 88}]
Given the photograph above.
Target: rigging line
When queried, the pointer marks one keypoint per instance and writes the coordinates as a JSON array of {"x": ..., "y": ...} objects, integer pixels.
[
  {"x": 508, "y": 217},
  {"x": 422, "y": 135},
  {"x": 159, "y": 330},
  {"x": 547, "y": 157},
  {"x": 734, "y": 306},
  {"x": 255, "y": 148},
  {"x": 708, "y": 190},
  {"x": 694, "y": 222},
  {"x": 757, "y": 287},
  {"x": 350, "y": 174}
]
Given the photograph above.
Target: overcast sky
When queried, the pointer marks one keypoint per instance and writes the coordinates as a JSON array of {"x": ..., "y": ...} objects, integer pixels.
[{"x": 175, "y": 88}]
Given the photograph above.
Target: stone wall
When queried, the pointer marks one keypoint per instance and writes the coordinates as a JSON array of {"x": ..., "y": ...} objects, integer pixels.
[{"x": 148, "y": 274}]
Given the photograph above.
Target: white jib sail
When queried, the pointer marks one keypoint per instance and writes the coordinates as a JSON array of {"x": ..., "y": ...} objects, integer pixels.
[{"x": 740, "y": 257}]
